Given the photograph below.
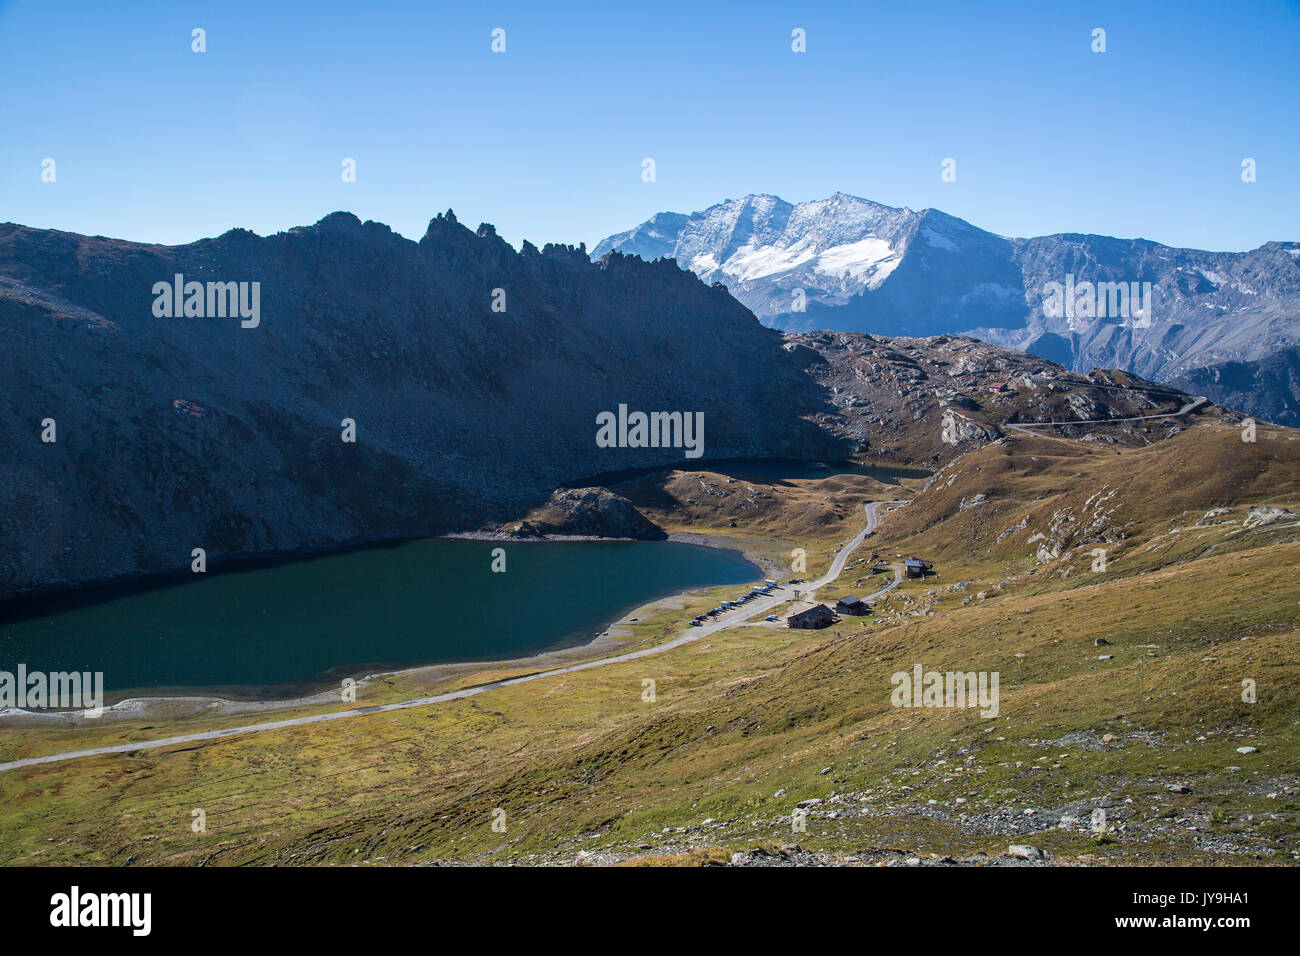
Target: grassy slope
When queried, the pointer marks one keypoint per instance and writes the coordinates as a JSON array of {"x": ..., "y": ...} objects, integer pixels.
[{"x": 580, "y": 762}]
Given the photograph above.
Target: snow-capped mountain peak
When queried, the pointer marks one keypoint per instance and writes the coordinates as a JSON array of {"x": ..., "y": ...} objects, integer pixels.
[
  {"x": 765, "y": 248},
  {"x": 849, "y": 264}
]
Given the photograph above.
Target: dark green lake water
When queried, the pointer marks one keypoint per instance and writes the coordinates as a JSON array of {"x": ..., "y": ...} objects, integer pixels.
[{"x": 307, "y": 623}]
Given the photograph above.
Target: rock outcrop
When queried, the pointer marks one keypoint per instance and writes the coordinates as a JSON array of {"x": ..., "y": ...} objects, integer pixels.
[
  {"x": 957, "y": 429},
  {"x": 1261, "y": 515},
  {"x": 590, "y": 512}
]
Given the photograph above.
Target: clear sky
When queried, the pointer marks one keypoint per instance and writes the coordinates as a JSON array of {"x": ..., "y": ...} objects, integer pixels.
[{"x": 154, "y": 142}]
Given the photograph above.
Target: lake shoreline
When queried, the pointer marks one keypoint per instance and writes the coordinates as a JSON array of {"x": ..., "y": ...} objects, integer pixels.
[
  {"x": 20, "y": 603},
  {"x": 186, "y": 702}
]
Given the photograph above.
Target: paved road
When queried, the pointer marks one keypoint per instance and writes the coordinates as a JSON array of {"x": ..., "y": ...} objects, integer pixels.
[
  {"x": 1189, "y": 407},
  {"x": 749, "y": 610},
  {"x": 762, "y": 605}
]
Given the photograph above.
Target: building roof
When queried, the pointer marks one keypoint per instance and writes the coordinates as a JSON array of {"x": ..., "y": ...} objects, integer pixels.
[{"x": 816, "y": 611}]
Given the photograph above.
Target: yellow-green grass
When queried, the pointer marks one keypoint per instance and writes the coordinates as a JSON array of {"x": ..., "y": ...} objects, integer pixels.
[{"x": 581, "y": 762}]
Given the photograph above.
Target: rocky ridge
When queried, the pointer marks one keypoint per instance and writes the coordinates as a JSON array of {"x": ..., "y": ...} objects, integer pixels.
[{"x": 470, "y": 374}]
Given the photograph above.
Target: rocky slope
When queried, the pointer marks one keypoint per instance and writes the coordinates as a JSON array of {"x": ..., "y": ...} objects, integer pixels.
[
  {"x": 588, "y": 512},
  {"x": 927, "y": 401},
  {"x": 182, "y": 433},
  {"x": 1268, "y": 388},
  {"x": 865, "y": 267}
]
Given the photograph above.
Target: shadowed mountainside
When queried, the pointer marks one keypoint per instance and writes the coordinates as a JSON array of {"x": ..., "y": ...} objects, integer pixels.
[
  {"x": 180, "y": 433},
  {"x": 1268, "y": 388}
]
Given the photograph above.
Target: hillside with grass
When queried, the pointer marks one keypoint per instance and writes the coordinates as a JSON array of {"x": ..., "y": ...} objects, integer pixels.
[{"x": 1162, "y": 691}]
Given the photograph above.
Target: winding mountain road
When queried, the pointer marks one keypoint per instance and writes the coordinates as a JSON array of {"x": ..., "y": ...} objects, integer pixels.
[
  {"x": 1189, "y": 407},
  {"x": 756, "y": 607}
]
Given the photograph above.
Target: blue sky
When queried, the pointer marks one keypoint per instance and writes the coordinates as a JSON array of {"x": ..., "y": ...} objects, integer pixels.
[{"x": 156, "y": 143}]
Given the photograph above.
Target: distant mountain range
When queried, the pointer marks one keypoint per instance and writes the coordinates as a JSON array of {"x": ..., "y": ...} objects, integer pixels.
[
  {"x": 849, "y": 264},
  {"x": 137, "y": 424}
]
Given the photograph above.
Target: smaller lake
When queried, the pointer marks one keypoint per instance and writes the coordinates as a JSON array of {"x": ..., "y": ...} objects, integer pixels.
[{"x": 304, "y": 624}]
